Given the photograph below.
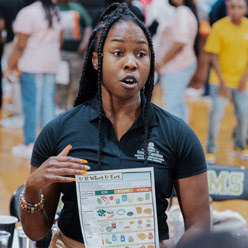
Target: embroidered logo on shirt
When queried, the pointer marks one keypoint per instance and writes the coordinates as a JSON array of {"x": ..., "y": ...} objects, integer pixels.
[{"x": 153, "y": 154}]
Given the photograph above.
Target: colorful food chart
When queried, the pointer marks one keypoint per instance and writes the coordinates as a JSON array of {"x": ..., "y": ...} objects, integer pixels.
[{"x": 118, "y": 209}]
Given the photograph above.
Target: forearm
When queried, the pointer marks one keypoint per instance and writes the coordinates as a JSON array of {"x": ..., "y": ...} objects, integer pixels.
[
  {"x": 48, "y": 178},
  {"x": 173, "y": 51},
  {"x": 18, "y": 50},
  {"x": 2, "y": 25},
  {"x": 86, "y": 36},
  {"x": 36, "y": 225},
  {"x": 216, "y": 66},
  {"x": 245, "y": 76},
  {"x": 15, "y": 56},
  {"x": 191, "y": 233},
  {"x": 193, "y": 198},
  {"x": 61, "y": 38}
]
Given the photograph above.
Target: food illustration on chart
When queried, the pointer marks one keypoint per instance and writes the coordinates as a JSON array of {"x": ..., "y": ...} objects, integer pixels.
[
  {"x": 120, "y": 215},
  {"x": 125, "y": 216}
]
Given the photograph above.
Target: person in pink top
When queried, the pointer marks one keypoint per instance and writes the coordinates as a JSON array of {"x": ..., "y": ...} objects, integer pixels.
[
  {"x": 176, "y": 59},
  {"x": 38, "y": 35}
]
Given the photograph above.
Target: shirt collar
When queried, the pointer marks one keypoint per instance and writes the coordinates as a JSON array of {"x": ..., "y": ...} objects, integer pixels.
[{"x": 94, "y": 112}]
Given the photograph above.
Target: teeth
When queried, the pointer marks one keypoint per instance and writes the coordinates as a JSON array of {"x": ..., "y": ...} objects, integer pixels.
[{"x": 129, "y": 80}]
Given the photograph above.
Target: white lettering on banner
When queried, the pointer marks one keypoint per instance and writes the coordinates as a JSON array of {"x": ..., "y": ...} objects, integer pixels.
[
  {"x": 226, "y": 183},
  {"x": 153, "y": 154}
]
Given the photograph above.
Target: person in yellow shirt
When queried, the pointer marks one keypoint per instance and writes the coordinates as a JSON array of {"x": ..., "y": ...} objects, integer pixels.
[{"x": 227, "y": 45}]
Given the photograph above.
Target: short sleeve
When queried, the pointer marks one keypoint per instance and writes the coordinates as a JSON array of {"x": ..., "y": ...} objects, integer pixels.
[
  {"x": 190, "y": 156},
  {"x": 181, "y": 25},
  {"x": 46, "y": 143},
  {"x": 23, "y": 22},
  {"x": 213, "y": 44}
]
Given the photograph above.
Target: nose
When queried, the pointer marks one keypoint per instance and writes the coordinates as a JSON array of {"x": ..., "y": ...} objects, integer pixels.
[{"x": 130, "y": 63}]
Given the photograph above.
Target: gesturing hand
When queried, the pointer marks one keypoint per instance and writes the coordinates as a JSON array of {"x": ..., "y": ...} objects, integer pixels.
[{"x": 55, "y": 169}]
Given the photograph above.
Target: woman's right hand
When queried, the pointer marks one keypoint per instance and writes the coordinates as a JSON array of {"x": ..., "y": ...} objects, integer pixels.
[{"x": 55, "y": 169}]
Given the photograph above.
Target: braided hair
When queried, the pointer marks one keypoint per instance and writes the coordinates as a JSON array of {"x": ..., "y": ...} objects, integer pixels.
[
  {"x": 90, "y": 82},
  {"x": 51, "y": 10}
]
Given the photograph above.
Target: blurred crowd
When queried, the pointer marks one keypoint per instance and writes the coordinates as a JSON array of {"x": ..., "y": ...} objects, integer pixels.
[{"x": 41, "y": 65}]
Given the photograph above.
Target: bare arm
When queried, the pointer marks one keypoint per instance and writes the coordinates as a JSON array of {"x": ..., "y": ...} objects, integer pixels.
[
  {"x": 17, "y": 52},
  {"x": 61, "y": 38},
  {"x": 174, "y": 50},
  {"x": 242, "y": 82},
  {"x": 193, "y": 198},
  {"x": 84, "y": 43},
  {"x": 223, "y": 89},
  {"x": 38, "y": 224},
  {"x": 47, "y": 178},
  {"x": 2, "y": 26}
]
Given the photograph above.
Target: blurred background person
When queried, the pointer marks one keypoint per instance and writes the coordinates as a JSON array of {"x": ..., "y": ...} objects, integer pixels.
[
  {"x": 160, "y": 12},
  {"x": 36, "y": 52},
  {"x": 227, "y": 45},
  {"x": 176, "y": 59},
  {"x": 77, "y": 28},
  {"x": 9, "y": 10}
]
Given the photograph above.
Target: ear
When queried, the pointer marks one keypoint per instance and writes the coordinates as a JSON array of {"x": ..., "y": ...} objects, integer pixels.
[{"x": 95, "y": 60}]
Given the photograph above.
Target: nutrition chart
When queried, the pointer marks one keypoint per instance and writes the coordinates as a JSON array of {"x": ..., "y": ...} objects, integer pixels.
[{"x": 117, "y": 208}]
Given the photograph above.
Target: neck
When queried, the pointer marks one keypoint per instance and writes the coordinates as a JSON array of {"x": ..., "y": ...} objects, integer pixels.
[
  {"x": 236, "y": 22},
  {"x": 121, "y": 113},
  {"x": 116, "y": 109}
]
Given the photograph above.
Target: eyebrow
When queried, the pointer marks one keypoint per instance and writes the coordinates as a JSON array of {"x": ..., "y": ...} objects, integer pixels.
[{"x": 122, "y": 41}]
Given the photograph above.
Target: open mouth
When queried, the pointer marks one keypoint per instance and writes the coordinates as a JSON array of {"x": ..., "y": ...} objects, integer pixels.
[{"x": 129, "y": 81}]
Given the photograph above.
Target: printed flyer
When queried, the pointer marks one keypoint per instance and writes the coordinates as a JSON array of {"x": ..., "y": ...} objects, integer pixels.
[{"x": 117, "y": 208}]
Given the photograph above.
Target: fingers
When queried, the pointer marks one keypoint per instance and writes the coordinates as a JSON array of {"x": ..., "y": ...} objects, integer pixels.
[
  {"x": 54, "y": 164},
  {"x": 65, "y": 151},
  {"x": 62, "y": 156},
  {"x": 67, "y": 171},
  {"x": 59, "y": 179},
  {"x": 58, "y": 167},
  {"x": 68, "y": 159}
]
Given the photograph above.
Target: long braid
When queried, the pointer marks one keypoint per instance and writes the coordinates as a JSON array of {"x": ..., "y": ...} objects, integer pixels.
[
  {"x": 99, "y": 83},
  {"x": 148, "y": 92},
  {"x": 50, "y": 10},
  {"x": 88, "y": 80},
  {"x": 100, "y": 110},
  {"x": 90, "y": 83}
]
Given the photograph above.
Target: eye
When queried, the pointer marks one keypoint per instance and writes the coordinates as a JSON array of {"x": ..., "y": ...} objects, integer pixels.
[
  {"x": 141, "y": 54},
  {"x": 117, "y": 53}
]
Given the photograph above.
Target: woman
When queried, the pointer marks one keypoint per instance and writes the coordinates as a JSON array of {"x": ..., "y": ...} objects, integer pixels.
[
  {"x": 36, "y": 53},
  {"x": 112, "y": 120},
  {"x": 176, "y": 56}
]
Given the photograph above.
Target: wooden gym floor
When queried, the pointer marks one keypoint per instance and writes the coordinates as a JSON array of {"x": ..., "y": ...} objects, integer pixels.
[{"x": 14, "y": 171}]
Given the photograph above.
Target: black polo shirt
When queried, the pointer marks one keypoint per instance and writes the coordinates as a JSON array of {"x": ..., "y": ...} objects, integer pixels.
[{"x": 173, "y": 148}]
